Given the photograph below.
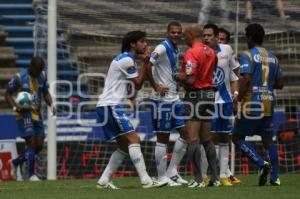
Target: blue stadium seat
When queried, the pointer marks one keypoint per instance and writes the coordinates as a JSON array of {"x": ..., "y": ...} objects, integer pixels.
[
  {"x": 20, "y": 1},
  {"x": 27, "y": 53},
  {"x": 61, "y": 64},
  {"x": 19, "y": 31},
  {"x": 16, "y": 9},
  {"x": 26, "y": 42},
  {"x": 16, "y": 19}
]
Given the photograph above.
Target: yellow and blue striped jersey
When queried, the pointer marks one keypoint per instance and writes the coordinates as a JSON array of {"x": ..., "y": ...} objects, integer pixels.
[
  {"x": 22, "y": 81},
  {"x": 264, "y": 69}
]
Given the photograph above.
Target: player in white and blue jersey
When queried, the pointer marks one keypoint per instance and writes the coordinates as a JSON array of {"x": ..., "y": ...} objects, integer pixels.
[
  {"x": 123, "y": 74},
  {"x": 224, "y": 38},
  {"x": 167, "y": 107},
  {"x": 225, "y": 80}
]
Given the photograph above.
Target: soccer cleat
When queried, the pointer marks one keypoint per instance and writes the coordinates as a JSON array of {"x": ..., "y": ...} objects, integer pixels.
[
  {"x": 206, "y": 180},
  {"x": 108, "y": 185},
  {"x": 177, "y": 178},
  {"x": 192, "y": 184},
  {"x": 263, "y": 174},
  {"x": 154, "y": 184},
  {"x": 225, "y": 182},
  {"x": 34, "y": 178},
  {"x": 215, "y": 183},
  {"x": 202, "y": 184},
  {"x": 170, "y": 182},
  {"x": 234, "y": 180},
  {"x": 275, "y": 183}
]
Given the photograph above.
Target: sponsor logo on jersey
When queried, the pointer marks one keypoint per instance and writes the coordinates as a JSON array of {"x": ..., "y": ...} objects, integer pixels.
[
  {"x": 219, "y": 76},
  {"x": 258, "y": 58}
]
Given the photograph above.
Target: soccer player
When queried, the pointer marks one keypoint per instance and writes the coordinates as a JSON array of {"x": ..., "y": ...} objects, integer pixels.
[
  {"x": 197, "y": 76},
  {"x": 224, "y": 38},
  {"x": 123, "y": 74},
  {"x": 261, "y": 74},
  {"x": 167, "y": 105},
  {"x": 225, "y": 81},
  {"x": 30, "y": 123}
]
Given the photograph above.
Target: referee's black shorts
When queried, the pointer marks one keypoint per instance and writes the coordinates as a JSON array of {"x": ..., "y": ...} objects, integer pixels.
[{"x": 199, "y": 104}]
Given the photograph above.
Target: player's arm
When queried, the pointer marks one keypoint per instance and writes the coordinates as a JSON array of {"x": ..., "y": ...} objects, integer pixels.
[
  {"x": 246, "y": 70},
  {"x": 278, "y": 83},
  {"x": 12, "y": 86},
  {"x": 234, "y": 73},
  {"x": 244, "y": 83},
  {"x": 234, "y": 85},
  {"x": 138, "y": 77},
  {"x": 49, "y": 102},
  {"x": 159, "y": 50},
  {"x": 9, "y": 99}
]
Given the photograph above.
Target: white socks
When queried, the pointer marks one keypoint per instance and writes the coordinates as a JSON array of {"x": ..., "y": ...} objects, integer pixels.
[
  {"x": 115, "y": 161},
  {"x": 161, "y": 159},
  {"x": 137, "y": 159},
  {"x": 222, "y": 155},
  {"x": 223, "y": 159},
  {"x": 178, "y": 153}
]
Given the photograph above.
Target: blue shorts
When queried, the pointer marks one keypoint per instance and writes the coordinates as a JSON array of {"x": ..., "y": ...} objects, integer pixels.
[
  {"x": 250, "y": 127},
  {"x": 113, "y": 121},
  {"x": 167, "y": 116},
  {"x": 222, "y": 120},
  {"x": 36, "y": 130}
]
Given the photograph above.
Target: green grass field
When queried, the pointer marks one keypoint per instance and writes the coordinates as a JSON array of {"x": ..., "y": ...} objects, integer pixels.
[{"x": 130, "y": 189}]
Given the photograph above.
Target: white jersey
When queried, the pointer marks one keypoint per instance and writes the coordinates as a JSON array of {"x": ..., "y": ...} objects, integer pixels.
[
  {"x": 224, "y": 74},
  {"x": 163, "y": 70},
  {"x": 117, "y": 83}
]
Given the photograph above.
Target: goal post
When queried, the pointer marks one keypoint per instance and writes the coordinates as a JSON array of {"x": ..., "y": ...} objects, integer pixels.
[{"x": 52, "y": 70}]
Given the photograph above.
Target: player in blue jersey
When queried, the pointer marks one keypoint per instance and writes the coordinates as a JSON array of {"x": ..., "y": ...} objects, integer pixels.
[
  {"x": 30, "y": 123},
  {"x": 260, "y": 75},
  {"x": 123, "y": 74}
]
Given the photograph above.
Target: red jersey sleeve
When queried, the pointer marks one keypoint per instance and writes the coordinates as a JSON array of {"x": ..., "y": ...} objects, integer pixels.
[{"x": 189, "y": 64}]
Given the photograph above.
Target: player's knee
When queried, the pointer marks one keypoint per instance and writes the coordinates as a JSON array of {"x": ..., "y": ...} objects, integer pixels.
[
  {"x": 163, "y": 138},
  {"x": 133, "y": 138}
]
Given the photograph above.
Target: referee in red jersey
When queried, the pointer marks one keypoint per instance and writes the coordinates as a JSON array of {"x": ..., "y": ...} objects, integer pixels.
[{"x": 196, "y": 75}]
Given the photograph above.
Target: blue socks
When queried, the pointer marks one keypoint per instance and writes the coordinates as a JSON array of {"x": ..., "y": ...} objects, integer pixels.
[
  {"x": 251, "y": 153},
  {"x": 30, "y": 156},
  {"x": 272, "y": 151},
  {"x": 19, "y": 160}
]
